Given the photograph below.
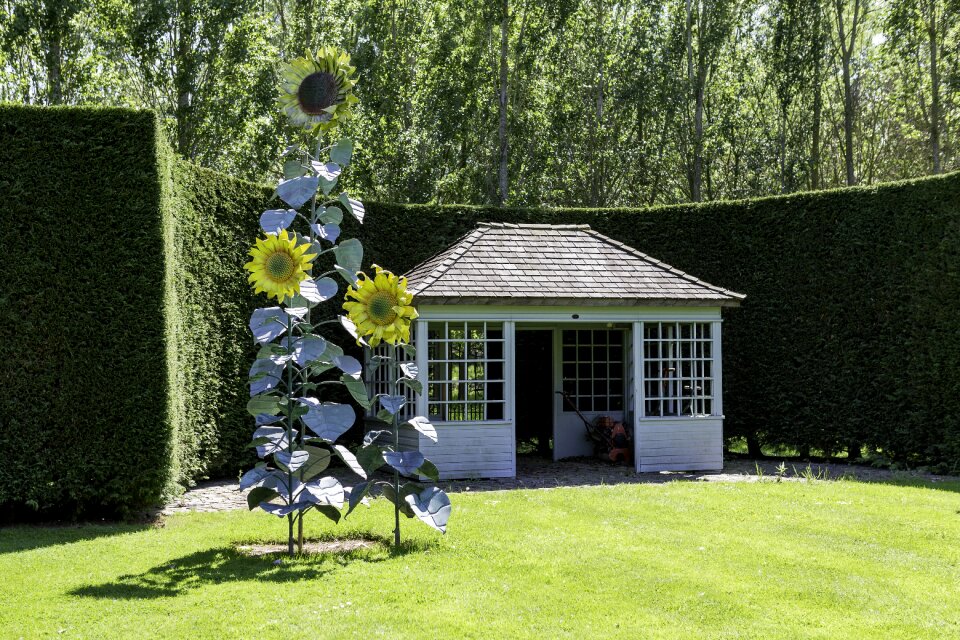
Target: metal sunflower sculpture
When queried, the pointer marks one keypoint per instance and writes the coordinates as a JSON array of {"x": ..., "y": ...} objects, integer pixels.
[
  {"x": 279, "y": 265},
  {"x": 382, "y": 308},
  {"x": 298, "y": 418},
  {"x": 317, "y": 90}
]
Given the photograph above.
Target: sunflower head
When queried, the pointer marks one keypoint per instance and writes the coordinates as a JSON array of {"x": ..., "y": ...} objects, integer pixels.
[
  {"x": 317, "y": 90},
  {"x": 381, "y": 308},
  {"x": 278, "y": 265}
]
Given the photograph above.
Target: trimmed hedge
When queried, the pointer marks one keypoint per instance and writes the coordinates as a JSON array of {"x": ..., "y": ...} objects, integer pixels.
[
  {"x": 84, "y": 415},
  {"x": 124, "y": 344},
  {"x": 850, "y": 334}
]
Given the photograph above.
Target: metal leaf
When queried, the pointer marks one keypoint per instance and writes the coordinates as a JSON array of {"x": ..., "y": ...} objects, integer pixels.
[
  {"x": 424, "y": 426},
  {"x": 370, "y": 458},
  {"x": 387, "y": 491},
  {"x": 356, "y": 496},
  {"x": 260, "y": 495},
  {"x": 350, "y": 460},
  {"x": 331, "y": 215},
  {"x": 330, "y": 420},
  {"x": 254, "y": 476},
  {"x": 319, "y": 290},
  {"x": 329, "y": 232},
  {"x": 358, "y": 390},
  {"x": 409, "y": 369},
  {"x": 323, "y": 491},
  {"x": 350, "y": 277},
  {"x": 317, "y": 464},
  {"x": 327, "y": 170},
  {"x": 291, "y": 461},
  {"x": 393, "y": 404},
  {"x": 308, "y": 348},
  {"x": 429, "y": 470},
  {"x": 349, "y": 365},
  {"x": 265, "y": 375},
  {"x": 432, "y": 506},
  {"x": 271, "y": 440},
  {"x": 268, "y": 323},
  {"x": 276, "y": 220},
  {"x": 355, "y": 207},
  {"x": 342, "y": 151},
  {"x": 266, "y": 418},
  {"x": 296, "y": 191},
  {"x": 406, "y": 462},
  {"x": 372, "y": 436},
  {"x": 269, "y": 404},
  {"x": 349, "y": 254},
  {"x": 414, "y": 384}
]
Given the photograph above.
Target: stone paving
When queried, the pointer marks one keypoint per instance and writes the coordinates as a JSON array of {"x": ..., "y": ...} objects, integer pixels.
[{"x": 538, "y": 473}]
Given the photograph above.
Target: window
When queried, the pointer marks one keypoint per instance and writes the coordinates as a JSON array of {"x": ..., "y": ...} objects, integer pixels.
[
  {"x": 465, "y": 377},
  {"x": 677, "y": 369},
  {"x": 388, "y": 372},
  {"x": 592, "y": 361}
]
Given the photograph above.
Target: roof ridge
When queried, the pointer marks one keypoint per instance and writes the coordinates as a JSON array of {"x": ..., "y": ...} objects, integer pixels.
[
  {"x": 531, "y": 225},
  {"x": 456, "y": 251},
  {"x": 663, "y": 265}
]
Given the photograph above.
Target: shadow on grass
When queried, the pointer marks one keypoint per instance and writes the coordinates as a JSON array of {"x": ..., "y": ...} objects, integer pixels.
[
  {"x": 229, "y": 564},
  {"x": 27, "y": 537}
]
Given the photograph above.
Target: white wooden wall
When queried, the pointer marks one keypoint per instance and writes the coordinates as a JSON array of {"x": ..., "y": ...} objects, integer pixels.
[
  {"x": 679, "y": 444},
  {"x": 471, "y": 449}
]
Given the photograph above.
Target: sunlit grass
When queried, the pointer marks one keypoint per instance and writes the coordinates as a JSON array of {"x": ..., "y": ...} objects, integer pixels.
[{"x": 690, "y": 560}]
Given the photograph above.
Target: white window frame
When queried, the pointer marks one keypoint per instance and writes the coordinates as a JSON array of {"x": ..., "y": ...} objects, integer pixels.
[
  {"x": 621, "y": 374},
  {"x": 379, "y": 380},
  {"x": 703, "y": 369},
  {"x": 424, "y": 344}
]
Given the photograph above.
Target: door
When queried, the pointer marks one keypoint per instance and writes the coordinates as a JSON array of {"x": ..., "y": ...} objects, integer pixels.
[
  {"x": 534, "y": 390},
  {"x": 591, "y": 371}
]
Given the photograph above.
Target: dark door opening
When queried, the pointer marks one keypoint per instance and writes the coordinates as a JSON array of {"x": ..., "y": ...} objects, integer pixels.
[{"x": 534, "y": 391}]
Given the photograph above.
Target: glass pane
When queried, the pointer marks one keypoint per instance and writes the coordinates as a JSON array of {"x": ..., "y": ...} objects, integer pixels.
[
  {"x": 495, "y": 391},
  {"x": 475, "y": 391},
  {"x": 569, "y": 338},
  {"x": 494, "y": 332},
  {"x": 495, "y": 371},
  {"x": 495, "y": 350},
  {"x": 569, "y": 354},
  {"x": 600, "y": 404},
  {"x": 600, "y": 353},
  {"x": 495, "y": 411},
  {"x": 475, "y": 350},
  {"x": 616, "y": 403},
  {"x": 569, "y": 370},
  {"x": 616, "y": 337},
  {"x": 583, "y": 337},
  {"x": 585, "y": 403}
]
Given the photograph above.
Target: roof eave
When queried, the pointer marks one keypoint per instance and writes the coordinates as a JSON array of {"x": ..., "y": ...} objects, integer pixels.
[{"x": 581, "y": 302}]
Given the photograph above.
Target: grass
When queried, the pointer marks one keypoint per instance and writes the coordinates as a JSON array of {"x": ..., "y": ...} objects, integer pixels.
[{"x": 691, "y": 560}]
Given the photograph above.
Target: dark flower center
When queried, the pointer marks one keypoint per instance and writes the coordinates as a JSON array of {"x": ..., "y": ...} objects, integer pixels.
[
  {"x": 381, "y": 308},
  {"x": 317, "y": 92},
  {"x": 280, "y": 267}
]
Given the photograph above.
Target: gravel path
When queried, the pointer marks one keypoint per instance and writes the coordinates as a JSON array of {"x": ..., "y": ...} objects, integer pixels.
[{"x": 537, "y": 473}]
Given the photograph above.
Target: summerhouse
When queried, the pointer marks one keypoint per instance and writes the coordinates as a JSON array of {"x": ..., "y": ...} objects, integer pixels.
[{"x": 521, "y": 324}]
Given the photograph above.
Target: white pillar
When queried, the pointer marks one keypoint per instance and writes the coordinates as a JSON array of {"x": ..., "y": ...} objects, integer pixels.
[
  {"x": 420, "y": 342},
  {"x": 717, "y": 366},
  {"x": 638, "y": 390}
]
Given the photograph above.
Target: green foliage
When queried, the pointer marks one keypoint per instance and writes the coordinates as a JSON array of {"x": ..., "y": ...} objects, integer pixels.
[{"x": 85, "y": 422}]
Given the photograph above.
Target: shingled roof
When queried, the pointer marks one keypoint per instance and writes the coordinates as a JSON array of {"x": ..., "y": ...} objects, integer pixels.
[{"x": 558, "y": 264}]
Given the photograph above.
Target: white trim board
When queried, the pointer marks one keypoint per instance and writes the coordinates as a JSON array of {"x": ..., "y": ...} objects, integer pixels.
[{"x": 559, "y": 314}]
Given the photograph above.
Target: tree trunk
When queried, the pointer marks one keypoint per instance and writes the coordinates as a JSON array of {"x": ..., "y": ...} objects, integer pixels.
[
  {"x": 848, "y": 122},
  {"x": 183, "y": 78},
  {"x": 815, "y": 179},
  {"x": 934, "y": 86},
  {"x": 502, "y": 174},
  {"x": 697, "y": 177},
  {"x": 54, "y": 73}
]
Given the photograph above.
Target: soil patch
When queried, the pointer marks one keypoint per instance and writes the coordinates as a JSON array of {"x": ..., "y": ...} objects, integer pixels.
[{"x": 309, "y": 548}]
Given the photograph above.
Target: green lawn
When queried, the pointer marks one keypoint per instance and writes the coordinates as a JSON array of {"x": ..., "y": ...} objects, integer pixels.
[{"x": 681, "y": 560}]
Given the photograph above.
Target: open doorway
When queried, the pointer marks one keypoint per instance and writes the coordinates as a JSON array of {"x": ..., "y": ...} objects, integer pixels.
[{"x": 534, "y": 391}]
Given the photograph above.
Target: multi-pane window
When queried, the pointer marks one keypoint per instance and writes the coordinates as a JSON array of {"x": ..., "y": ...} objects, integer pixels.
[
  {"x": 592, "y": 361},
  {"x": 387, "y": 373},
  {"x": 465, "y": 377},
  {"x": 677, "y": 369}
]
